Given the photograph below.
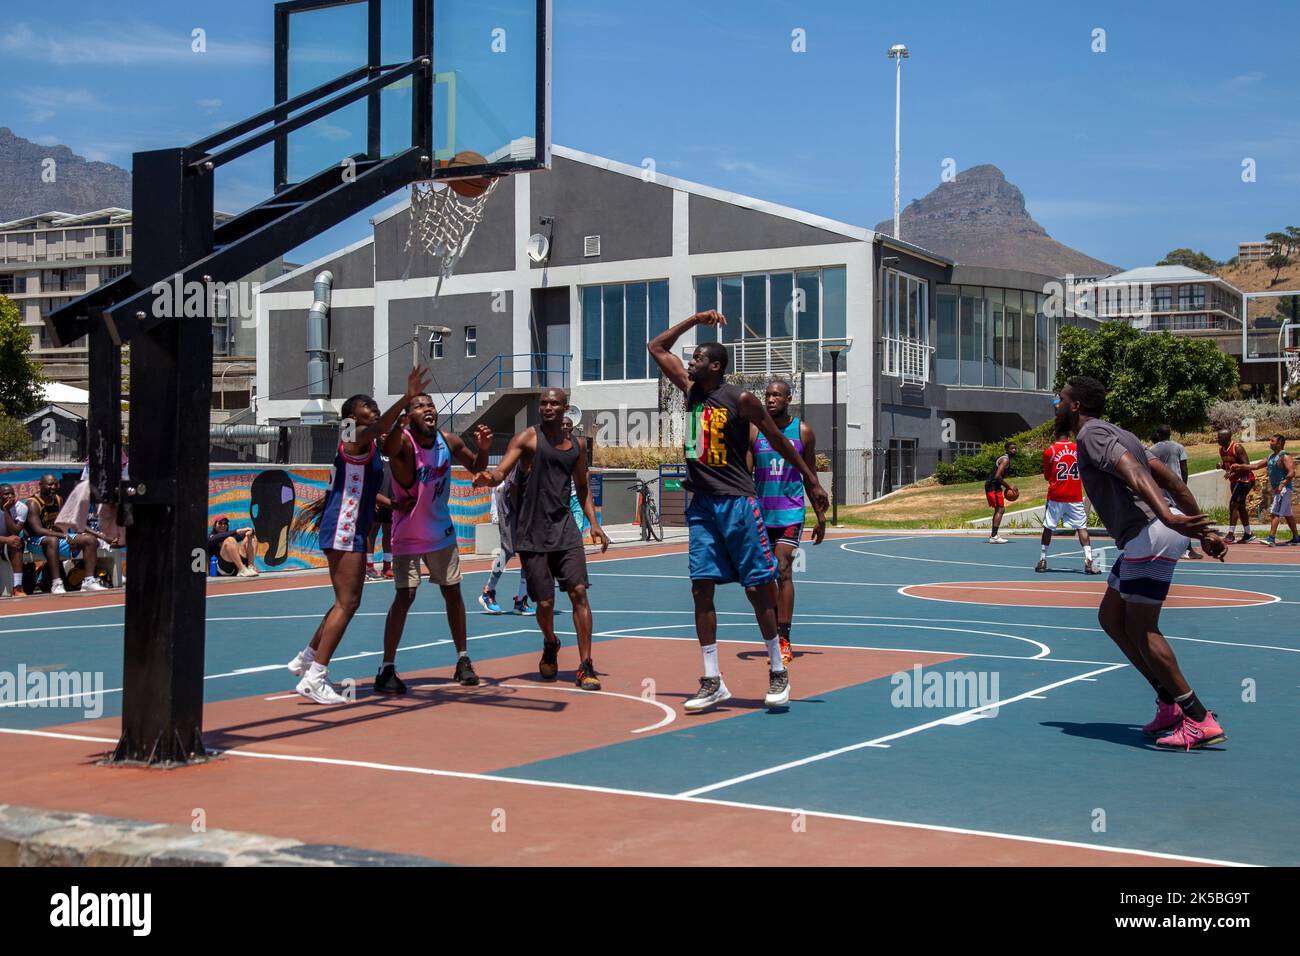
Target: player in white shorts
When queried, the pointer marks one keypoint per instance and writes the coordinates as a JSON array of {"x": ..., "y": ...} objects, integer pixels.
[{"x": 1065, "y": 508}]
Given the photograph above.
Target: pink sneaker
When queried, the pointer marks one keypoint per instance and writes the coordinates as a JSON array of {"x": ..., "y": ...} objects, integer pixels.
[
  {"x": 1168, "y": 716},
  {"x": 1194, "y": 733}
]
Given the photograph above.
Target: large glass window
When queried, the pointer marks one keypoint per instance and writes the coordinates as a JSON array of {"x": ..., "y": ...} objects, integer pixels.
[
  {"x": 1011, "y": 341},
  {"x": 945, "y": 356},
  {"x": 755, "y": 307},
  {"x": 835, "y": 308},
  {"x": 995, "y": 320},
  {"x": 731, "y": 294},
  {"x": 617, "y": 321},
  {"x": 971, "y": 303},
  {"x": 706, "y": 297},
  {"x": 782, "y": 315}
]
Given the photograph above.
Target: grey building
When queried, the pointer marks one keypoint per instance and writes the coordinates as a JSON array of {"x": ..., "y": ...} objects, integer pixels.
[{"x": 631, "y": 252}]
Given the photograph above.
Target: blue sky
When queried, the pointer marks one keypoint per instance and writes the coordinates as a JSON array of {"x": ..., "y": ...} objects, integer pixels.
[{"x": 1123, "y": 154}]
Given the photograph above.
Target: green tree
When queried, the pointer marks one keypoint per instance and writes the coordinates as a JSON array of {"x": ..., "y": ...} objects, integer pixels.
[
  {"x": 1193, "y": 260},
  {"x": 1277, "y": 263},
  {"x": 20, "y": 377},
  {"x": 15, "y": 440},
  {"x": 1281, "y": 241},
  {"x": 1151, "y": 378}
]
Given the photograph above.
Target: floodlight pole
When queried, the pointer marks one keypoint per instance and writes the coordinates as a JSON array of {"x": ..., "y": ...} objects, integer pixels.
[
  {"x": 898, "y": 53},
  {"x": 835, "y": 351}
]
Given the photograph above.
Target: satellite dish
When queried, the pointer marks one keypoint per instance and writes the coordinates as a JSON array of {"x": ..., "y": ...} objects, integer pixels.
[
  {"x": 538, "y": 247},
  {"x": 574, "y": 414}
]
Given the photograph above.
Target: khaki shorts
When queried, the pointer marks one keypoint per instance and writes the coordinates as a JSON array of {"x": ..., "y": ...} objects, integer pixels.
[{"x": 444, "y": 568}]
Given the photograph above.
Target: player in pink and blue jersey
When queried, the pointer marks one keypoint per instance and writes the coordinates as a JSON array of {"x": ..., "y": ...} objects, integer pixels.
[
  {"x": 781, "y": 499},
  {"x": 341, "y": 520}
]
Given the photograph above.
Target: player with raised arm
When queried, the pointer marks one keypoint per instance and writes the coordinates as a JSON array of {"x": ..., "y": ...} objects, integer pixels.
[
  {"x": 1281, "y": 475},
  {"x": 728, "y": 542},
  {"x": 1127, "y": 488}
]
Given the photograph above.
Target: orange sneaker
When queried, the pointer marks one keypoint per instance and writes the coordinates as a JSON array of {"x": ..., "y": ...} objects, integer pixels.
[{"x": 787, "y": 652}]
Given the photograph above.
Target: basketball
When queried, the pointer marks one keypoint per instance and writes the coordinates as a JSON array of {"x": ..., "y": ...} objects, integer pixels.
[
  {"x": 473, "y": 186},
  {"x": 1012, "y": 494}
]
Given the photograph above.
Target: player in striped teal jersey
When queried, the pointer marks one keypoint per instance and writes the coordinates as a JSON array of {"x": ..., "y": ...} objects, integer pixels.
[{"x": 781, "y": 498}]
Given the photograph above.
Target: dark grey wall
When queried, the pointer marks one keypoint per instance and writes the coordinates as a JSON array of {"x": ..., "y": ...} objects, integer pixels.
[
  {"x": 633, "y": 218},
  {"x": 352, "y": 337},
  {"x": 455, "y": 312},
  {"x": 1003, "y": 278},
  {"x": 356, "y": 270},
  {"x": 721, "y": 227},
  {"x": 491, "y": 248}
]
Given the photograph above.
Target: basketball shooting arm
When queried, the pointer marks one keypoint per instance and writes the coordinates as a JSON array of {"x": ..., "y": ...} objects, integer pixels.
[
  {"x": 1149, "y": 485},
  {"x": 583, "y": 487},
  {"x": 661, "y": 346},
  {"x": 417, "y": 380},
  {"x": 754, "y": 412}
]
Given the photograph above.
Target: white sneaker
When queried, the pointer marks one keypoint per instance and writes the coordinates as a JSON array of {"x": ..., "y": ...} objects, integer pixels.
[
  {"x": 247, "y": 572},
  {"x": 778, "y": 689},
  {"x": 298, "y": 666},
  {"x": 92, "y": 584},
  {"x": 712, "y": 691},
  {"x": 57, "y": 587},
  {"x": 319, "y": 690},
  {"x": 999, "y": 540}
]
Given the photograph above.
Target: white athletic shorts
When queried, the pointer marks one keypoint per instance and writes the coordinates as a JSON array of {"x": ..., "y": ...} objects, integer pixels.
[
  {"x": 1281, "y": 503},
  {"x": 1065, "y": 514},
  {"x": 1145, "y": 568}
]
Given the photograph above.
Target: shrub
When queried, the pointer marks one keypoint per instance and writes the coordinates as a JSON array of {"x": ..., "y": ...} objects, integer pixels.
[
  {"x": 1028, "y": 459},
  {"x": 1267, "y": 416},
  {"x": 15, "y": 440}
]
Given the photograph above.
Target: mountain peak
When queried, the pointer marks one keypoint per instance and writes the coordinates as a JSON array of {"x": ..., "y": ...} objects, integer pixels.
[
  {"x": 79, "y": 185},
  {"x": 979, "y": 218}
]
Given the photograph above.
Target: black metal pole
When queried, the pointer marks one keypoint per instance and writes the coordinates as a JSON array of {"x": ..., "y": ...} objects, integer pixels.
[
  {"x": 171, "y": 390},
  {"x": 835, "y": 438}
]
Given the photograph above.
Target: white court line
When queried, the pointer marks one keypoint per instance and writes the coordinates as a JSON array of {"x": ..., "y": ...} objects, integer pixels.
[
  {"x": 827, "y": 754},
  {"x": 671, "y": 798},
  {"x": 906, "y": 592},
  {"x": 261, "y": 668},
  {"x": 687, "y": 577},
  {"x": 1003, "y": 586},
  {"x": 669, "y": 714},
  {"x": 1043, "y": 649}
]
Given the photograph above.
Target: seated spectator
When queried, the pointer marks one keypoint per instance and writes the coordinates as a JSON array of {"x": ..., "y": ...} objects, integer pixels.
[
  {"x": 235, "y": 551},
  {"x": 13, "y": 519},
  {"x": 55, "y": 547}
]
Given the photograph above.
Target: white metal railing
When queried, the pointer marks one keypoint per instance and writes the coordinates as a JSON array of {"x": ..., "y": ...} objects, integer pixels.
[
  {"x": 908, "y": 359},
  {"x": 776, "y": 356}
]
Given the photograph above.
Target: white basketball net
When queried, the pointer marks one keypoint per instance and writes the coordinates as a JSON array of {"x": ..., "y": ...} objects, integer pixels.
[
  {"x": 442, "y": 223},
  {"x": 1293, "y": 367}
]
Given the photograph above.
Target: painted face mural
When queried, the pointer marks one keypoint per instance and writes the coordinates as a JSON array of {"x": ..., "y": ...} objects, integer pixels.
[{"x": 271, "y": 500}]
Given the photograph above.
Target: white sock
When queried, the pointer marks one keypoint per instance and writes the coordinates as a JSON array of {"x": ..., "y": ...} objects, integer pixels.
[
  {"x": 523, "y": 589},
  {"x": 387, "y": 664},
  {"x": 308, "y": 653},
  {"x": 388, "y": 557},
  {"x": 1044, "y": 552},
  {"x": 316, "y": 670},
  {"x": 462, "y": 654},
  {"x": 711, "y": 660},
  {"x": 774, "y": 654},
  {"x": 1087, "y": 552}
]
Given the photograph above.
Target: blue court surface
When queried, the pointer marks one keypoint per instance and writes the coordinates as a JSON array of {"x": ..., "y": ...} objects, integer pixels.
[{"x": 941, "y": 686}]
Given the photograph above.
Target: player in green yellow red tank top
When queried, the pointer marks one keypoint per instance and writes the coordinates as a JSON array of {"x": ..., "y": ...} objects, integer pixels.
[{"x": 781, "y": 498}]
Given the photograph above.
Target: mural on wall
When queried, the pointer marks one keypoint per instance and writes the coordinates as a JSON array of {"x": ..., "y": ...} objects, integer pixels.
[{"x": 266, "y": 498}]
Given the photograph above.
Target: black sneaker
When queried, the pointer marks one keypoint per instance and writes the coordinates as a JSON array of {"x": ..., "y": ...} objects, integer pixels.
[
  {"x": 778, "y": 689},
  {"x": 1246, "y": 538},
  {"x": 586, "y": 677},
  {"x": 465, "y": 675},
  {"x": 549, "y": 665},
  {"x": 387, "y": 681},
  {"x": 712, "y": 691}
]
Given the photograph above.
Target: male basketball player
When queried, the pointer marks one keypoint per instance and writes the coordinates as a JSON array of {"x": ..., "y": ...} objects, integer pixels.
[
  {"x": 781, "y": 499},
  {"x": 1239, "y": 481},
  {"x": 420, "y": 457},
  {"x": 994, "y": 493},
  {"x": 1065, "y": 508},
  {"x": 1124, "y": 485},
  {"x": 728, "y": 542}
]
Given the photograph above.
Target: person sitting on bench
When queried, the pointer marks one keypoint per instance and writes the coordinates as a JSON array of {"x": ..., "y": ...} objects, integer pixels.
[
  {"x": 43, "y": 541},
  {"x": 13, "y": 519}
]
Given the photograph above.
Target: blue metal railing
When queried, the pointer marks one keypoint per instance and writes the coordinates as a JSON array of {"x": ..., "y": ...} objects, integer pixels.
[{"x": 542, "y": 368}]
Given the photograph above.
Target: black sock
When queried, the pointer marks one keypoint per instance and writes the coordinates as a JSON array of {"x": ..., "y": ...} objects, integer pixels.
[
  {"x": 994, "y": 532},
  {"x": 1164, "y": 695},
  {"x": 783, "y": 630},
  {"x": 1191, "y": 706}
]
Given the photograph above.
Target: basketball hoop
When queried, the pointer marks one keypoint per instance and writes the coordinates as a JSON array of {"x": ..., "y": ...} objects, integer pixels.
[
  {"x": 445, "y": 215},
  {"x": 1292, "y": 358}
]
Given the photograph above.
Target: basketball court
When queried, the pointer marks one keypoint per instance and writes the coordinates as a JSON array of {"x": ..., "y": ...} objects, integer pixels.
[{"x": 1043, "y": 763}]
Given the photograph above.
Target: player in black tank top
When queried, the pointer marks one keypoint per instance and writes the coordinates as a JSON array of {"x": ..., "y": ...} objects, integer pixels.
[
  {"x": 546, "y": 536},
  {"x": 727, "y": 539}
]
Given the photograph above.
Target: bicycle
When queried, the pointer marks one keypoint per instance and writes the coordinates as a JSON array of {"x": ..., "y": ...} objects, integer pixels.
[{"x": 652, "y": 528}]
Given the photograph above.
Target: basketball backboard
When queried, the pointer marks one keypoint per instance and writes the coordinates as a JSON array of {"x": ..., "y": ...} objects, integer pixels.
[
  {"x": 1272, "y": 325},
  {"x": 486, "y": 95}
]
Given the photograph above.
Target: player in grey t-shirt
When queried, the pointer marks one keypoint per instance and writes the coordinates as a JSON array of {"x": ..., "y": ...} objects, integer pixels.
[
  {"x": 1125, "y": 486},
  {"x": 1174, "y": 457}
]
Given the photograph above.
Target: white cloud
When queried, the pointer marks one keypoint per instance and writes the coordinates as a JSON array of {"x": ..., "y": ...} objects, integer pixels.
[
  {"x": 211, "y": 105},
  {"x": 123, "y": 44},
  {"x": 45, "y": 102}
]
